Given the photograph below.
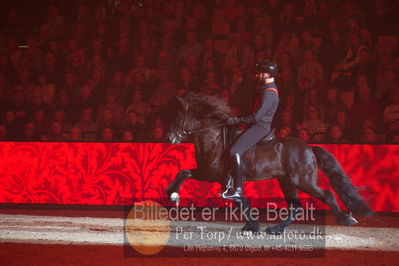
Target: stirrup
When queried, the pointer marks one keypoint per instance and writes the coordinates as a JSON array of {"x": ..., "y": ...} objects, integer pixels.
[
  {"x": 229, "y": 186},
  {"x": 235, "y": 195}
]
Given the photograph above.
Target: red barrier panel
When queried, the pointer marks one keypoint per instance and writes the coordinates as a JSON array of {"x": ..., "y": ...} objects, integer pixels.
[{"x": 113, "y": 173}]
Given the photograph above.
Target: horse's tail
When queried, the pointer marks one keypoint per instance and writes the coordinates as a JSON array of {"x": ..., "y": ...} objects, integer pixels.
[{"x": 341, "y": 183}]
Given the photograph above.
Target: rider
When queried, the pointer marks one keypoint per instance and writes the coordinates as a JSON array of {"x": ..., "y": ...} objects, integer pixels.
[{"x": 259, "y": 124}]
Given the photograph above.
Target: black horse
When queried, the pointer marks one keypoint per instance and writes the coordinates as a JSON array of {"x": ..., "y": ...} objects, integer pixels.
[{"x": 290, "y": 160}]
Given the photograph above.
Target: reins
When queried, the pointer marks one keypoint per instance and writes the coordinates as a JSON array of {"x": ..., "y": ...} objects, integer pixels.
[
  {"x": 224, "y": 135},
  {"x": 190, "y": 132}
]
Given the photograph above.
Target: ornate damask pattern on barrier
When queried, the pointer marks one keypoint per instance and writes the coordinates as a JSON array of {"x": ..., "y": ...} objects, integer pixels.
[{"x": 114, "y": 173}]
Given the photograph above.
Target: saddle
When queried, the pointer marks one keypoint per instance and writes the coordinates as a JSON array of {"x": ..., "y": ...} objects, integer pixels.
[{"x": 266, "y": 141}]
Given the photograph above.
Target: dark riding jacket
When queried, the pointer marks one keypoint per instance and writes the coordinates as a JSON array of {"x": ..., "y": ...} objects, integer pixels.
[{"x": 265, "y": 107}]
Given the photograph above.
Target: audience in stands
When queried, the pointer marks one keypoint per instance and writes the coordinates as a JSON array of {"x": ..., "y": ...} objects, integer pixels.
[{"x": 109, "y": 73}]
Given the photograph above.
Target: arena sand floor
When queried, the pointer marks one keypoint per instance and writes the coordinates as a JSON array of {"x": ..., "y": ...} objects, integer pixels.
[{"x": 35, "y": 236}]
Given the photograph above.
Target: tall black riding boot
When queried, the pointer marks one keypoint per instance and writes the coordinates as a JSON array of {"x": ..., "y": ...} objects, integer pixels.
[{"x": 237, "y": 191}]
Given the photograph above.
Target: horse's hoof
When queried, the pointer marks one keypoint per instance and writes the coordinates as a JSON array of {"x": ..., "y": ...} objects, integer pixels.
[
  {"x": 274, "y": 230},
  {"x": 249, "y": 232},
  {"x": 174, "y": 197},
  {"x": 348, "y": 220},
  {"x": 351, "y": 221}
]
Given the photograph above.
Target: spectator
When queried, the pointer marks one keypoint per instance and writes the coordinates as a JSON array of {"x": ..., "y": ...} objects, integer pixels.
[
  {"x": 385, "y": 86},
  {"x": 239, "y": 26},
  {"x": 106, "y": 119},
  {"x": 211, "y": 54},
  {"x": 383, "y": 14},
  {"x": 13, "y": 53},
  {"x": 315, "y": 127},
  {"x": 193, "y": 65},
  {"x": 158, "y": 134},
  {"x": 47, "y": 90},
  {"x": 286, "y": 120},
  {"x": 85, "y": 100},
  {"x": 239, "y": 87},
  {"x": 139, "y": 83},
  {"x": 115, "y": 108},
  {"x": 78, "y": 65},
  {"x": 332, "y": 52},
  {"x": 60, "y": 116},
  {"x": 287, "y": 18},
  {"x": 29, "y": 133},
  {"x": 165, "y": 85},
  {"x": 116, "y": 85},
  {"x": 38, "y": 104},
  {"x": 138, "y": 48},
  {"x": 191, "y": 47},
  {"x": 164, "y": 60},
  {"x": 97, "y": 84},
  {"x": 303, "y": 135},
  {"x": 55, "y": 21},
  {"x": 263, "y": 27},
  {"x": 211, "y": 86},
  {"x": 352, "y": 56},
  {"x": 127, "y": 135},
  {"x": 74, "y": 134},
  {"x": 365, "y": 67},
  {"x": 6, "y": 68},
  {"x": 5, "y": 91},
  {"x": 287, "y": 82},
  {"x": 25, "y": 85},
  {"x": 391, "y": 113},
  {"x": 142, "y": 66},
  {"x": 52, "y": 69},
  {"x": 366, "y": 108},
  {"x": 87, "y": 126},
  {"x": 333, "y": 105},
  {"x": 355, "y": 25},
  {"x": 335, "y": 134},
  {"x": 133, "y": 123},
  {"x": 368, "y": 135},
  {"x": 34, "y": 53},
  {"x": 241, "y": 51},
  {"x": 348, "y": 129},
  {"x": 3, "y": 133},
  {"x": 57, "y": 132},
  {"x": 40, "y": 120},
  {"x": 142, "y": 109},
  {"x": 310, "y": 62},
  {"x": 107, "y": 134},
  {"x": 283, "y": 132},
  {"x": 11, "y": 124},
  {"x": 186, "y": 82}
]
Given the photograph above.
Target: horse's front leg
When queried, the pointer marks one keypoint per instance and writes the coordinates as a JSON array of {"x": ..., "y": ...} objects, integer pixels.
[
  {"x": 174, "y": 187},
  {"x": 251, "y": 224}
]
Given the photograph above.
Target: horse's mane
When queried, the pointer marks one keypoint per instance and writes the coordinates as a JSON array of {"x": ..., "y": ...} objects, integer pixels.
[{"x": 208, "y": 106}]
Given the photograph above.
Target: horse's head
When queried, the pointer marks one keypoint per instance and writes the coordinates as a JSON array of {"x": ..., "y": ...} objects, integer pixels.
[
  {"x": 195, "y": 112},
  {"x": 185, "y": 122}
]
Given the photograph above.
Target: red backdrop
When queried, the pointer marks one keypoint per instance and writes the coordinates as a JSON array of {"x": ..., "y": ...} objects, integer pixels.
[{"x": 113, "y": 173}]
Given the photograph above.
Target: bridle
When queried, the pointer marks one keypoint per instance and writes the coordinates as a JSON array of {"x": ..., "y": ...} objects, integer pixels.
[
  {"x": 190, "y": 132},
  {"x": 183, "y": 133}
]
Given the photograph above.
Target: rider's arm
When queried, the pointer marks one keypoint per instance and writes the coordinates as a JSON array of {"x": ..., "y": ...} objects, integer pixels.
[{"x": 265, "y": 103}]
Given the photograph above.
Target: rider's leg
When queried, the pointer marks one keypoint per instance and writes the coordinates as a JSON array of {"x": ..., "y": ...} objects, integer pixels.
[
  {"x": 237, "y": 171},
  {"x": 244, "y": 142}
]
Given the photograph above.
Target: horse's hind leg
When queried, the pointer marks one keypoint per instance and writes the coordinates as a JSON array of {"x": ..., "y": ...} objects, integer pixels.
[
  {"x": 251, "y": 225},
  {"x": 327, "y": 196},
  {"x": 294, "y": 206},
  {"x": 173, "y": 189}
]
